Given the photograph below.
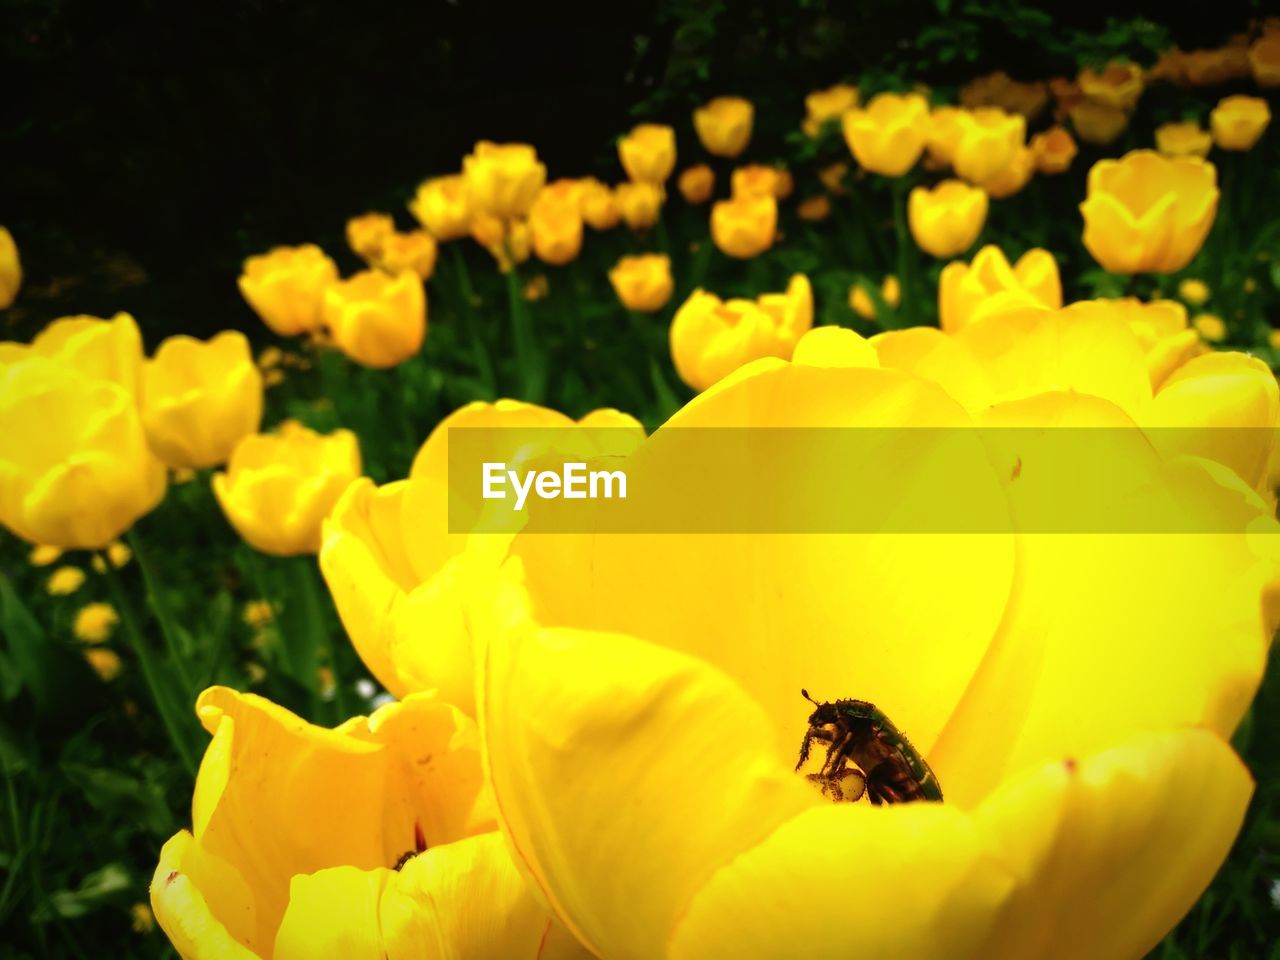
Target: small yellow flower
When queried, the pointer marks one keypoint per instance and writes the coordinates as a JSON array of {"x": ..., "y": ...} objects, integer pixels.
[
  {"x": 413, "y": 252},
  {"x": 118, "y": 554},
  {"x": 1183, "y": 139},
  {"x": 441, "y": 206},
  {"x": 1249, "y": 285},
  {"x": 44, "y": 555},
  {"x": 1273, "y": 339},
  {"x": 377, "y": 319},
  {"x": 325, "y": 684},
  {"x": 555, "y": 223},
  {"x": 255, "y": 671},
  {"x": 1118, "y": 85},
  {"x": 815, "y": 208},
  {"x": 640, "y": 202},
  {"x": 95, "y": 622},
  {"x": 1098, "y": 123},
  {"x": 823, "y": 106},
  {"x": 1053, "y": 150},
  {"x": 888, "y": 136},
  {"x": 862, "y": 304},
  {"x": 744, "y": 227},
  {"x": 503, "y": 179},
  {"x": 65, "y": 580},
  {"x": 105, "y": 663},
  {"x": 1211, "y": 68},
  {"x": 366, "y": 233},
  {"x": 648, "y": 153},
  {"x": 258, "y": 613},
  {"x": 270, "y": 358},
  {"x": 10, "y": 269},
  {"x": 946, "y": 220},
  {"x": 285, "y": 287},
  {"x": 758, "y": 179},
  {"x": 724, "y": 125},
  {"x": 1211, "y": 327},
  {"x": 1264, "y": 60},
  {"x": 1238, "y": 122},
  {"x": 508, "y": 241},
  {"x": 144, "y": 920},
  {"x": 990, "y": 286},
  {"x": 998, "y": 89},
  {"x": 599, "y": 205},
  {"x": 537, "y": 288},
  {"x": 833, "y": 176},
  {"x": 1193, "y": 291},
  {"x": 643, "y": 283},
  {"x": 696, "y": 184}
]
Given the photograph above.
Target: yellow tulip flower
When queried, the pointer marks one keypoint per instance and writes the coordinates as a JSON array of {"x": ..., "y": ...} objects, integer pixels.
[
  {"x": 201, "y": 399},
  {"x": 441, "y": 205},
  {"x": 95, "y": 622},
  {"x": 888, "y": 135},
  {"x": 502, "y": 179},
  {"x": 757, "y": 179},
  {"x": 643, "y": 283},
  {"x": 1161, "y": 328},
  {"x": 697, "y": 184},
  {"x": 44, "y": 555},
  {"x": 862, "y": 304},
  {"x": 278, "y": 487},
  {"x": 710, "y": 337},
  {"x": 724, "y": 125},
  {"x": 96, "y": 349},
  {"x": 1098, "y": 123},
  {"x": 648, "y": 153},
  {"x": 998, "y": 89},
  {"x": 377, "y": 835},
  {"x": 823, "y": 106},
  {"x": 1194, "y": 291},
  {"x": 1264, "y": 60},
  {"x": 640, "y": 203},
  {"x": 1183, "y": 139},
  {"x": 945, "y": 130},
  {"x": 988, "y": 141},
  {"x": 64, "y": 581},
  {"x": 555, "y": 223},
  {"x": 744, "y": 226},
  {"x": 946, "y": 220},
  {"x": 1211, "y": 327},
  {"x": 366, "y": 233},
  {"x": 376, "y": 319},
  {"x": 1053, "y": 150},
  {"x": 599, "y": 205},
  {"x": 10, "y": 269},
  {"x": 75, "y": 469},
  {"x": 1238, "y": 122},
  {"x": 833, "y": 177},
  {"x": 814, "y": 209},
  {"x": 1011, "y": 178},
  {"x": 1117, "y": 85},
  {"x": 107, "y": 665},
  {"x": 988, "y": 286},
  {"x": 414, "y": 252},
  {"x": 286, "y": 286},
  {"x": 1211, "y": 68},
  {"x": 509, "y": 242},
  {"x": 1146, "y": 213}
]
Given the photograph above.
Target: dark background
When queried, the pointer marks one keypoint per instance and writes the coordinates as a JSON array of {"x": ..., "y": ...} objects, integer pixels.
[{"x": 147, "y": 146}]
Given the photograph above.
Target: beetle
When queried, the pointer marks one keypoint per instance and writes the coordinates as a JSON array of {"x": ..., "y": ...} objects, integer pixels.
[{"x": 888, "y": 769}]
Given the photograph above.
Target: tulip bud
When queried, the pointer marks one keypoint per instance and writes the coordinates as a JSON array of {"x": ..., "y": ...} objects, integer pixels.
[
  {"x": 988, "y": 141},
  {"x": 1238, "y": 122},
  {"x": 285, "y": 287},
  {"x": 648, "y": 153},
  {"x": 697, "y": 184},
  {"x": 724, "y": 125},
  {"x": 503, "y": 179},
  {"x": 758, "y": 180},
  {"x": 1053, "y": 150},
  {"x": 1098, "y": 123},
  {"x": 366, "y": 233},
  {"x": 643, "y": 283},
  {"x": 599, "y": 205},
  {"x": 822, "y": 106},
  {"x": 10, "y": 269},
  {"x": 279, "y": 487},
  {"x": 201, "y": 399},
  {"x": 1118, "y": 85},
  {"x": 441, "y": 206},
  {"x": 1183, "y": 139},
  {"x": 413, "y": 252},
  {"x": 988, "y": 286},
  {"x": 744, "y": 227},
  {"x": 888, "y": 136},
  {"x": 640, "y": 203},
  {"x": 946, "y": 220},
  {"x": 1012, "y": 177},
  {"x": 555, "y": 223},
  {"x": 1264, "y": 60},
  {"x": 377, "y": 319}
]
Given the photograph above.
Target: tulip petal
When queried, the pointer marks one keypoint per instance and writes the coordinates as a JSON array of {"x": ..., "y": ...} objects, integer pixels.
[{"x": 179, "y": 904}]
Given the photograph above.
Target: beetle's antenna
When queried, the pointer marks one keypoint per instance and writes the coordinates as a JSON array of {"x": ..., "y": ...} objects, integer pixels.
[{"x": 805, "y": 693}]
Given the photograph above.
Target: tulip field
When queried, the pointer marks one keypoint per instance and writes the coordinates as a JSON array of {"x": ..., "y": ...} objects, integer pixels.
[{"x": 401, "y": 613}]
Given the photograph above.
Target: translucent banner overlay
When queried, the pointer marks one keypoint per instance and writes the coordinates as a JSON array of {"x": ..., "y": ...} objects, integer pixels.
[{"x": 828, "y": 480}]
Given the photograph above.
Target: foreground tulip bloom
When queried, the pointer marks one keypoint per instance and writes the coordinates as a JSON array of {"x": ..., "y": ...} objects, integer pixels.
[
  {"x": 989, "y": 286},
  {"x": 648, "y": 153},
  {"x": 823, "y": 106},
  {"x": 697, "y": 184},
  {"x": 376, "y": 319},
  {"x": 724, "y": 125},
  {"x": 366, "y": 233},
  {"x": 1146, "y": 213},
  {"x": 1238, "y": 122},
  {"x": 368, "y": 840},
  {"x": 201, "y": 399},
  {"x": 710, "y": 337},
  {"x": 396, "y": 572},
  {"x": 643, "y": 283},
  {"x": 888, "y": 135},
  {"x": 744, "y": 226},
  {"x": 987, "y": 140},
  {"x": 1052, "y": 822},
  {"x": 502, "y": 179},
  {"x": 286, "y": 287},
  {"x": 279, "y": 487},
  {"x": 1053, "y": 150},
  {"x": 10, "y": 269},
  {"x": 599, "y": 205},
  {"x": 1183, "y": 139},
  {"x": 75, "y": 468},
  {"x": 95, "y": 348},
  {"x": 946, "y": 220},
  {"x": 441, "y": 205}
]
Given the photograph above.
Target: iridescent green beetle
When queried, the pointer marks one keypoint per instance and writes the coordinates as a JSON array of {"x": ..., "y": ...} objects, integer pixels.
[{"x": 888, "y": 769}]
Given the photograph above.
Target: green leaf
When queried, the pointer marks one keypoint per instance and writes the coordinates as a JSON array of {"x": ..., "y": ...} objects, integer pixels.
[{"x": 109, "y": 884}]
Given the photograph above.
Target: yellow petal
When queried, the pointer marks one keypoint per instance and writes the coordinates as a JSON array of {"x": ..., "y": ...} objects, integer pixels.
[
  {"x": 178, "y": 901},
  {"x": 834, "y": 347}
]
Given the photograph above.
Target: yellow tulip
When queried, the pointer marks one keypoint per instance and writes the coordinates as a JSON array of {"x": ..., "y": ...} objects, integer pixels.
[
  {"x": 1183, "y": 139},
  {"x": 833, "y": 177},
  {"x": 1211, "y": 68},
  {"x": 598, "y": 705},
  {"x": 10, "y": 269},
  {"x": 396, "y": 571},
  {"x": 862, "y": 304},
  {"x": 371, "y": 839},
  {"x": 989, "y": 286},
  {"x": 107, "y": 665},
  {"x": 1117, "y": 85},
  {"x": 286, "y": 287},
  {"x": 278, "y": 487},
  {"x": 988, "y": 141},
  {"x": 946, "y": 220},
  {"x": 724, "y": 125},
  {"x": 414, "y": 252},
  {"x": 1193, "y": 291},
  {"x": 503, "y": 179},
  {"x": 758, "y": 179},
  {"x": 376, "y": 319},
  {"x": 599, "y": 205},
  {"x": 75, "y": 469},
  {"x": 508, "y": 241},
  {"x": 823, "y": 106},
  {"x": 555, "y": 223},
  {"x": 1264, "y": 60},
  {"x": 1238, "y": 122},
  {"x": 888, "y": 135},
  {"x": 945, "y": 129},
  {"x": 643, "y": 283},
  {"x": 1053, "y": 150},
  {"x": 998, "y": 89},
  {"x": 710, "y": 337},
  {"x": 640, "y": 203},
  {"x": 1211, "y": 327},
  {"x": 745, "y": 226},
  {"x": 814, "y": 209},
  {"x": 1146, "y": 213},
  {"x": 95, "y": 622},
  {"x": 201, "y": 399},
  {"x": 95, "y": 348},
  {"x": 1098, "y": 123},
  {"x": 648, "y": 153},
  {"x": 441, "y": 205},
  {"x": 65, "y": 581},
  {"x": 366, "y": 233},
  {"x": 1161, "y": 329},
  {"x": 697, "y": 184},
  {"x": 44, "y": 555},
  {"x": 1015, "y": 175}
]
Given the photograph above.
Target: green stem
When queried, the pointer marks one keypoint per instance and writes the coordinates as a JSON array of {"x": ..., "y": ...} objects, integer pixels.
[
  {"x": 160, "y": 607},
  {"x": 466, "y": 306},
  {"x": 907, "y": 260},
  {"x": 150, "y": 671},
  {"x": 527, "y": 365}
]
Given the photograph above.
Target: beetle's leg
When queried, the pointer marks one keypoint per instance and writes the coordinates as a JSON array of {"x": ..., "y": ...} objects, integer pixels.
[
  {"x": 837, "y": 750},
  {"x": 813, "y": 733}
]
